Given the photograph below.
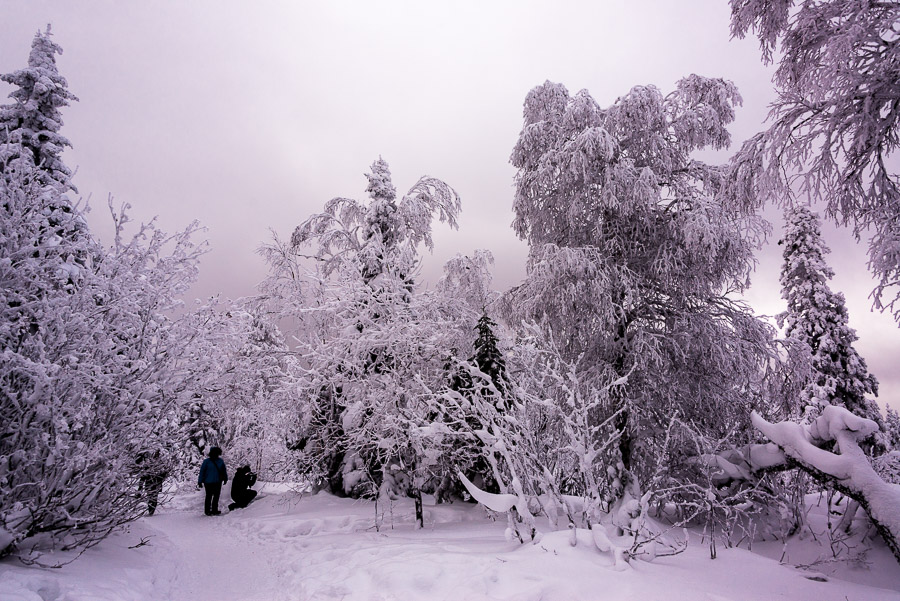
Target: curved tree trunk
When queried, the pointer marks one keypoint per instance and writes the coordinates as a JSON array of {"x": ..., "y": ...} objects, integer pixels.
[{"x": 850, "y": 472}]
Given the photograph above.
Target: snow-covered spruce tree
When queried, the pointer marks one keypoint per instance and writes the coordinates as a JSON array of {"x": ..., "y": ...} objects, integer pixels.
[
  {"x": 484, "y": 376},
  {"x": 33, "y": 120},
  {"x": 892, "y": 428},
  {"x": 465, "y": 288},
  {"x": 368, "y": 342},
  {"x": 836, "y": 120},
  {"x": 29, "y": 131},
  {"x": 488, "y": 357},
  {"x": 633, "y": 261},
  {"x": 87, "y": 368},
  {"x": 817, "y": 317}
]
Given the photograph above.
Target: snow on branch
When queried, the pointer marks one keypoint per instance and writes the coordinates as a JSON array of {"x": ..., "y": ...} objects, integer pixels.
[
  {"x": 847, "y": 468},
  {"x": 500, "y": 503}
]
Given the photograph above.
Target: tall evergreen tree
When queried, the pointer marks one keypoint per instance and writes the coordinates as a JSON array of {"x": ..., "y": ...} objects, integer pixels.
[
  {"x": 364, "y": 341},
  {"x": 33, "y": 120},
  {"x": 488, "y": 356},
  {"x": 483, "y": 377},
  {"x": 818, "y": 316}
]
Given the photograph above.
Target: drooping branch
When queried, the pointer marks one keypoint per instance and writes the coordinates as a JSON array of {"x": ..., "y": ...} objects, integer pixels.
[{"x": 849, "y": 472}]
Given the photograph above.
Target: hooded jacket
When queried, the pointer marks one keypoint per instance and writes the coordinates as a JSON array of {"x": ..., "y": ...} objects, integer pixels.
[{"x": 213, "y": 471}]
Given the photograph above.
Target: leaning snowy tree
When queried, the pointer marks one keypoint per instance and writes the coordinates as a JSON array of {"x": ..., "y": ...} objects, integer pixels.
[
  {"x": 633, "y": 263},
  {"x": 829, "y": 450},
  {"x": 369, "y": 346},
  {"x": 836, "y": 121},
  {"x": 817, "y": 317}
]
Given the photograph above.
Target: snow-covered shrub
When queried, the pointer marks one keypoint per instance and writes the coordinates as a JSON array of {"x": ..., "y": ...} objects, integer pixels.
[
  {"x": 239, "y": 398},
  {"x": 88, "y": 366}
]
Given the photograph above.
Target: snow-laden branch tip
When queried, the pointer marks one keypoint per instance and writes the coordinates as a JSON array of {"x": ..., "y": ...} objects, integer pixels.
[{"x": 500, "y": 503}]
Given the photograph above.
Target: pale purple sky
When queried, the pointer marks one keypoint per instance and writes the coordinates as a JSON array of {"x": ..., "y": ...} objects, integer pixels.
[{"x": 250, "y": 115}]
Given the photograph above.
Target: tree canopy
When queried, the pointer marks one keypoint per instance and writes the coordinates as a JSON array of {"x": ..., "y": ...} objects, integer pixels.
[{"x": 835, "y": 124}]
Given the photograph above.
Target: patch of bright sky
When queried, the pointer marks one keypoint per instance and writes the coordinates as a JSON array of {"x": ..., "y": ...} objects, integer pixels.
[{"x": 249, "y": 116}]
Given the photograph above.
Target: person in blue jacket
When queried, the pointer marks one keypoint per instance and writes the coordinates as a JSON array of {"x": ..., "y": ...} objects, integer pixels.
[{"x": 212, "y": 476}]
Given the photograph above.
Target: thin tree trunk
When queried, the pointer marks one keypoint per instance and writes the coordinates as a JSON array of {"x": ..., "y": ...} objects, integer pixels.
[{"x": 420, "y": 516}]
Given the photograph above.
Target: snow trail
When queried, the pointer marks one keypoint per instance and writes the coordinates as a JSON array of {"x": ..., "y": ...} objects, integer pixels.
[
  {"x": 288, "y": 547},
  {"x": 215, "y": 559}
]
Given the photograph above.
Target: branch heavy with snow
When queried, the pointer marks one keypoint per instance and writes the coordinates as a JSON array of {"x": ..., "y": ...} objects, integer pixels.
[{"x": 850, "y": 471}]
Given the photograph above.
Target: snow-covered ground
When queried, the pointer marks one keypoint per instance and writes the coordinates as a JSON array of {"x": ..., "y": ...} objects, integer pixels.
[{"x": 286, "y": 546}]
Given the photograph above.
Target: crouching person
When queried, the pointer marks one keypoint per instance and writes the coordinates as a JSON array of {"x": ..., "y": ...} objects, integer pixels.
[{"x": 241, "y": 493}]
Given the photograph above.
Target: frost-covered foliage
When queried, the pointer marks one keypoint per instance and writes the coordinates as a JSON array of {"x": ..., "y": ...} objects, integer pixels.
[
  {"x": 892, "y": 428},
  {"x": 836, "y": 119},
  {"x": 550, "y": 440},
  {"x": 552, "y": 448},
  {"x": 817, "y": 317},
  {"x": 371, "y": 345},
  {"x": 845, "y": 467},
  {"x": 88, "y": 367},
  {"x": 238, "y": 400},
  {"x": 633, "y": 260},
  {"x": 381, "y": 234},
  {"x": 32, "y": 122},
  {"x": 91, "y": 357}
]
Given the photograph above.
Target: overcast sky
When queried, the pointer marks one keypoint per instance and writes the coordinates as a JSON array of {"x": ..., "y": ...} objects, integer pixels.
[{"x": 250, "y": 115}]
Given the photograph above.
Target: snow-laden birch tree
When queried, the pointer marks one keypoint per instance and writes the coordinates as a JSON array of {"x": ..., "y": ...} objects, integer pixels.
[
  {"x": 835, "y": 125},
  {"x": 634, "y": 262}
]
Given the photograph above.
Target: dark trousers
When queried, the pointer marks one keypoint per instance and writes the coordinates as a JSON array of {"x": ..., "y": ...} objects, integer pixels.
[
  {"x": 242, "y": 500},
  {"x": 211, "y": 505},
  {"x": 152, "y": 486}
]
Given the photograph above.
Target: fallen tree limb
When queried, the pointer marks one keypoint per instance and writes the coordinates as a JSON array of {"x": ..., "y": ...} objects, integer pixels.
[{"x": 847, "y": 470}]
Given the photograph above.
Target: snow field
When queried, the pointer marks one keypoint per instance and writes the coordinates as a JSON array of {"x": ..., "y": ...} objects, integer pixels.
[{"x": 287, "y": 547}]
